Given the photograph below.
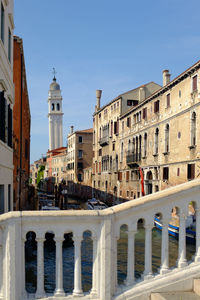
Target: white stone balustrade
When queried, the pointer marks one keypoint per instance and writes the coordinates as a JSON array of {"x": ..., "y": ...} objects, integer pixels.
[{"x": 105, "y": 229}]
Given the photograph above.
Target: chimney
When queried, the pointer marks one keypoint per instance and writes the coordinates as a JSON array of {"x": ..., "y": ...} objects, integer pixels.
[
  {"x": 166, "y": 77},
  {"x": 98, "y": 96},
  {"x": 141, "y": 93},
  {"x": 71, "y": 129}
]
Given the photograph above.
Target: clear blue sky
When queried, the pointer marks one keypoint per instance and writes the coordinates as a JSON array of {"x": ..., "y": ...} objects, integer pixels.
[{"x": 113, "y": 45}]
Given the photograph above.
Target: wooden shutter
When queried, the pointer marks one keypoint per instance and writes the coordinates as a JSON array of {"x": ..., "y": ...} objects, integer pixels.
[
  {"x": 127, "y": 175},
  {"x": 194, "y": 83},
  {"x": 2, "y": 116},
  {"x": 9, "y": 126},
  {"x": 120, "y": 176}
]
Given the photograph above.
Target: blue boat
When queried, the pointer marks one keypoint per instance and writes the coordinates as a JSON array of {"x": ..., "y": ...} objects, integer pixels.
[{"x": 174, "y": 230}]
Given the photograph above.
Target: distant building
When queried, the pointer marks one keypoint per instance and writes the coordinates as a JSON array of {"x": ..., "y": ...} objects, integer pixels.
[
  {"x": 55, "y": 116},
  {"x": 21, "y": 130},
  {"x": 79, "y": 153},
  {"x": 56, "y": 164},
  {"x": 6, "y": 106}
]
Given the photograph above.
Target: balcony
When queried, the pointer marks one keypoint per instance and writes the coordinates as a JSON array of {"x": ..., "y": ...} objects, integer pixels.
[
  {"x": 104, "y": 141},
  {"x": 133, "y": 158}
]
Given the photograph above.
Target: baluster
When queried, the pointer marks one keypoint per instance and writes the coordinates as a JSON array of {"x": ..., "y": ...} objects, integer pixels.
[
  {"x": 59, "y": 267},
  {"x": 40, "y": 268},
  {"x": 23, "y": 268},
  {"x": 197, "y": 256},
  {"x": 77, "y": 266},
  {"x": 94, "y": 268},
  {"x": 165, "y": 248},
  {"x": 148, "y": 251},
  {"x": 182, "y": 261},
  {"x": 131, "y": 258}
]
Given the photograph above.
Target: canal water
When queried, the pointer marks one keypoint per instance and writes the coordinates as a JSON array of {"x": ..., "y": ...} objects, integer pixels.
[{"x": 68, "y": 259}]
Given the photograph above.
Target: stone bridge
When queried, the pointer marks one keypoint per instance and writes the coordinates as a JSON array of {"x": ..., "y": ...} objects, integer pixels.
[{"x": 105, "y": 231}]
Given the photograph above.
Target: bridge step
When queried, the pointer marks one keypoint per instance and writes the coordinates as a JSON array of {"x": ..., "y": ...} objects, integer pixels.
[{"x": 175, "y": 296}]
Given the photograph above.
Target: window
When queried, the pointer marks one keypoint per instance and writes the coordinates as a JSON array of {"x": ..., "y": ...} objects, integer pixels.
[
  {"x": 129, "y": 122},
  {"x": 113, "y": 147},
  {"x": 178, "y": 171},
  {"x": 58, "y": 106},
  {"x": 145, "y": 144},
  {"x": 144, "y": 113},
  {"x": 100, "y": 152},
  {"x": 156, "y": 141},
  {"x": 120, "y": 176},
  {"x": 116, "y": 127},
  {"x": 127, "y": 194},
  {"x": 167, "y": 138},
  {"x": 52, "y": 106},
  {"x": 191, "y": 171},
  {"x": 179, "y": 135},
  {"x": 193, "y": 129},
  {"x": 2, "y": 22},
  {"x": 127, "y": 175},
  {"x": 9, "y": 44},
  {"x": 111, "y": 128},
  {"x": 194, "y": 83},
  {"x": 165, "y": 173},
  {"x": 156, "y": 106},
  {"x": 80, "y": 177},
  {"x": 80, "y": 139},
  {"x": 2, "y": 117},
  {"x": 80, "y": 153},
  {"x": 132, "y": 102},
  {"x": 10, "y": 120},
  {"x": 168, "y": 100}
]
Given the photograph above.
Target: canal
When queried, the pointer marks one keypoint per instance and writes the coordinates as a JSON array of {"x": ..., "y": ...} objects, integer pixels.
[{"x": 68, "y": 259}]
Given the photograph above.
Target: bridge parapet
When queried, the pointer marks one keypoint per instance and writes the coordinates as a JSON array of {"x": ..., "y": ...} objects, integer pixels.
[{"x": 105, "y": 231}]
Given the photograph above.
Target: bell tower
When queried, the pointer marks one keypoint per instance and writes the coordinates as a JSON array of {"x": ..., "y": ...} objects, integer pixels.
[{"x": 55, "y": 115}]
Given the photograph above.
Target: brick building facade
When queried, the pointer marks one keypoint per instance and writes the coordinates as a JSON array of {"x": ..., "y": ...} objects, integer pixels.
[{"x": 21, "y": 129}]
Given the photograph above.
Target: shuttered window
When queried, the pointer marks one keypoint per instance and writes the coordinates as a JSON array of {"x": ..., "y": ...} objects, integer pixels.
[
  {"x": 2, "y": 117},
  {"x": 168, "y": 100},
  {"x": 120, "y": 176},
  {"x": 156, "y": 106},
  {"x": 127, "y": 175},
  {"x": 165, "y": 173},
  {"x": 194, "y": 83},
  {"x": 10, "y": 127},
  {"x": 191, "y": 171},
  {"x": 145, "y": 113}
]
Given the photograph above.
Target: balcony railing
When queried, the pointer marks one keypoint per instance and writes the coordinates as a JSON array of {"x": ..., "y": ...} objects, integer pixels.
[
  {"x": 105, "y": 231},
  {"x": 133, "y": 158},
  {"x": 104, "y": 141}
]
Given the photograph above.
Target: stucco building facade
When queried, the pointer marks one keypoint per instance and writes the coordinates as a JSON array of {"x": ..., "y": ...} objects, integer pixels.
[
  {"x": 157, "y": 142},
  {"x": 6, "y": 105}
]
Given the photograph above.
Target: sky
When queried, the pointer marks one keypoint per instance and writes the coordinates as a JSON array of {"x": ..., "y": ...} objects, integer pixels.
[{"x": 113, "y": 45}]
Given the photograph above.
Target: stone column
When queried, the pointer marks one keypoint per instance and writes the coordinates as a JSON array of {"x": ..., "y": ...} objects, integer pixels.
[
  {"x": 77, "y": 267},
  {"x": 148, "y": 251},
  {"x": 197, "y": 256},
  {"x": 131, "y": 258},
  {"x": 165, "y": 248},
  {"x": 59, "y": 292},
  {"x": 182, "y": 261},
  {"x": 23, "y": 268},
  {"x": 40, "y": 268},
  {"x": 94, "y": 268}
]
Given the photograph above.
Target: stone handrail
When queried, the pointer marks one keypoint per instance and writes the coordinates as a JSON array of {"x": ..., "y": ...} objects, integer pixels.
[{"x": 105, "y": 227}]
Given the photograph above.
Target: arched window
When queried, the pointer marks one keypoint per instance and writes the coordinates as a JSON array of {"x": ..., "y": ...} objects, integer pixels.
[
  {"x": 52, "y": 106},
  {"x": 193, "y": 129},
  {"x": 58, "y": 106},
  {"x": 156, "y": 141},
  {"x": 145, "y": 144},
  {"x": 167, "y": 138}
]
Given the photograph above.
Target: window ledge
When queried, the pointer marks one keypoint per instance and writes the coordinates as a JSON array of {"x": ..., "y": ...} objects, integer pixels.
[
  {"x": 166, "y": 153},
  {"x": 192, "y": 147}
]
